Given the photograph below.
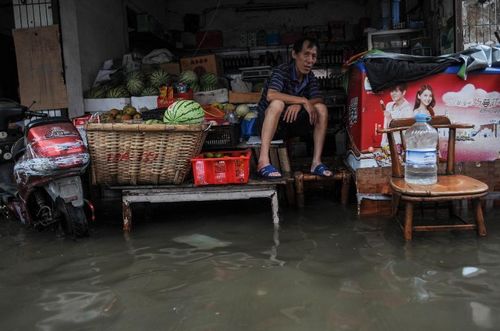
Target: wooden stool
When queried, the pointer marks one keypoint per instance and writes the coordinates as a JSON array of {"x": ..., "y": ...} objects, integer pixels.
[
  {"x": 278, "y": 154},
  {"x": 338, "y": 175}
]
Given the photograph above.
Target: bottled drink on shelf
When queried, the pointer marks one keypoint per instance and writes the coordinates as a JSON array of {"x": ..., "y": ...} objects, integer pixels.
[{"x": 421, "y": 154}]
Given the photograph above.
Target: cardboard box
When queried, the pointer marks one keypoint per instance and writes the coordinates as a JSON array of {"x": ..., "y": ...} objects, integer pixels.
[
  {"x": 105, "y": 104},
  {"x": 244, "y": 97},
  {"x": 202, "y": 64},
  {"x": 204, "y": 98},
  {"x": 474, "y": 101}
]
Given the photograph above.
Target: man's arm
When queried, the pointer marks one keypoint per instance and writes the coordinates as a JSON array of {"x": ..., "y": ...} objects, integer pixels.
[
  {"x": 291, "y": 112},
  {"x": 290, "y": 99}
]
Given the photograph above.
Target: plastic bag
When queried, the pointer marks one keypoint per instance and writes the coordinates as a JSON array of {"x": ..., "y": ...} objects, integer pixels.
[{"x": 248, "y": 128}]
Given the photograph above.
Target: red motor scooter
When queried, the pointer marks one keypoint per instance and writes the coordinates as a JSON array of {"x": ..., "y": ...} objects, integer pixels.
[{"x": 40, "y": 172}]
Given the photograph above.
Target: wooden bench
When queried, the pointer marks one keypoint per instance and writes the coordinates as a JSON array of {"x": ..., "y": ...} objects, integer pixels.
[{"x": 188, "y": 192}]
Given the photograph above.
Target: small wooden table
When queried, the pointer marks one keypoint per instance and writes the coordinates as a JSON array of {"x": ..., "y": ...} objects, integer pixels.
[{"x": 189, "y": 192}]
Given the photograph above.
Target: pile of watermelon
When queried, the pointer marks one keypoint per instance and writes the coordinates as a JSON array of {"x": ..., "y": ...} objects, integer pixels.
[
  {"x": 206, "y": 82},
  {"x": 136, "y": 83}
]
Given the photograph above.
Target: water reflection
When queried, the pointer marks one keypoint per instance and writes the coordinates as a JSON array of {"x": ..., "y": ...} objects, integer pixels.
[{"x": 320, "y": 269}]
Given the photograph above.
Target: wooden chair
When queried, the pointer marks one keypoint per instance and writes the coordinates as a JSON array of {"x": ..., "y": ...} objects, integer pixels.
[{"x": 450, "y": 187}]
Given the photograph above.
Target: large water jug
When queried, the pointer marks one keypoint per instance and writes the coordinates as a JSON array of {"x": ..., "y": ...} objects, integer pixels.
[{"x": 421, "y": 155}]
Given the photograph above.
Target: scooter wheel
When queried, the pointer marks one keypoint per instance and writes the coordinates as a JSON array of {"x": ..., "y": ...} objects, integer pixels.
[{"x": 75, "y": 222}]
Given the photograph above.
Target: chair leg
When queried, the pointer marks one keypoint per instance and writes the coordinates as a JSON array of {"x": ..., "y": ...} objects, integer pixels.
[
  {"x": 395, "y": 204},
  {"x": 478, "y": 211},
  {"x": 408, "y": 228}
]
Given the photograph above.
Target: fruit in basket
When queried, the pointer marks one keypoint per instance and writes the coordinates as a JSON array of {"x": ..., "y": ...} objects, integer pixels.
[
  {"x": 218, "y": 155},
  {"x": 126, "y": 117},
  {"x": 137, "y": 116},
  {"x": 184, "y": 112},
  {"x": 129, "y": 110},
  {"x": 113, "y": 112},
  {"x": 209, "y": 155},
  {"x": 159, "y": 78}
]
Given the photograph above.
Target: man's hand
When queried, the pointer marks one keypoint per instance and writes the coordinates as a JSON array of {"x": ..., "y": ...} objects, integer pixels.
[
  {"x": 291, "y": 113},
  {"x": 308, "y": 106}
]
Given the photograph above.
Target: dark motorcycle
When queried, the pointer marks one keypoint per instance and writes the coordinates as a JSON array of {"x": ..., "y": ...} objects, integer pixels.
[{"x": 40, "y": 170}]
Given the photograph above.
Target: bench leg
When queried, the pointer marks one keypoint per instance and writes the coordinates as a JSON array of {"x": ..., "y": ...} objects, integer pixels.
[
  {"x": 275, "y": 207},
  {"x": 299, "y": 189},
  {"x": 127, "y": 216}
]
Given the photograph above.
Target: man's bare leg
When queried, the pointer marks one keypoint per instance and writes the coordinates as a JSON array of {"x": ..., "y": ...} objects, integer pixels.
[
  {"x": 271, "y": 120},
  {"x": 319, "y": 135}
]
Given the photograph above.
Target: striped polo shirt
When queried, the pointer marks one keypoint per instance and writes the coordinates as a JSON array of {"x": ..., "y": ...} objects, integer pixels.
[{"x": 284, "y": 79}]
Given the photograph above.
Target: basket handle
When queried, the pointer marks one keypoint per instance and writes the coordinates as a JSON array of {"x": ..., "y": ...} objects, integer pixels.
[{"x": 208, "y": 127}]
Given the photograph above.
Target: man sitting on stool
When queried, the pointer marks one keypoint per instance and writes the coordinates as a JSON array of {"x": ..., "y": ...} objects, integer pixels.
[{"x": 292, "y": 101}]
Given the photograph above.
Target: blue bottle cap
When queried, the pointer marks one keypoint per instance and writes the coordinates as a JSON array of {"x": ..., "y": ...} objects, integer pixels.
[{"x": 422, "y": 118}]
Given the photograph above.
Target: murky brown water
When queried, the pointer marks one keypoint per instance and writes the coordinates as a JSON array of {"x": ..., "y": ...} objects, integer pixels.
[{"x": 222, "y": 266}]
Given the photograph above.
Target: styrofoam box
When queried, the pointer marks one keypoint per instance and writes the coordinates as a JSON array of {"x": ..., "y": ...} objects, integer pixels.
[
  {"x": 150, "y": 102},
  {"x": 204, "y": 98},
  {"x": 105, "y": 104}
]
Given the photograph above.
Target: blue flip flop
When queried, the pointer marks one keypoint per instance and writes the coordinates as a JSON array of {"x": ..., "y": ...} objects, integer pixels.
[
  {"x": 320, "y": 170},
  {"x": 265, "y": 172}
]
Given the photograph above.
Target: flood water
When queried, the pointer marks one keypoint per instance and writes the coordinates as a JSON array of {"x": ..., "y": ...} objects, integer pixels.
[{"x": 223, "y": 266}]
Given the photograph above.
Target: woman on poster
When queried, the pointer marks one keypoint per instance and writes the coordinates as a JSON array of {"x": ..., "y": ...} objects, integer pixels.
[{"x": 424, "y": 101}]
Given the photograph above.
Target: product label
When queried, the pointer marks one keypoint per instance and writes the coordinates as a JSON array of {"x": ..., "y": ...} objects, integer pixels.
[{"x": 421, "y": 156}]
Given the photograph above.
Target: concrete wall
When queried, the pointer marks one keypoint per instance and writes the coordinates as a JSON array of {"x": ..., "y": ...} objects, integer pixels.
[
  {"x": 102, "y": 34},
  {"x": 227, "y": 19}
]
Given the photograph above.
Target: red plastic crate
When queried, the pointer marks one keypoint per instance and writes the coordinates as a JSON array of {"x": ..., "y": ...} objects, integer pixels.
[{"x": 233, "y": 167}]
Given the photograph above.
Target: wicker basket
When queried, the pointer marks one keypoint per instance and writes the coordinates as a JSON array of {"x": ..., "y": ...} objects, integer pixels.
[{"x": 131, "y": 154}]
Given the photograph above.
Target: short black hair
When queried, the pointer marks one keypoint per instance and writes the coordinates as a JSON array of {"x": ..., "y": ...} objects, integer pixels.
[
  {"x": 308, "y": 41},
  {"x": 401, "y": 86}
]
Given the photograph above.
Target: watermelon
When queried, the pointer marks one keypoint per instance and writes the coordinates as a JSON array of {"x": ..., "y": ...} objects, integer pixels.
[
  {"x": 159, "y": 78},
  {"x": 149, "y": 91},
  {"x": 208, "y": 79},
  {"x": 118, "y": 92},
  {"x": 195, "y": 87},
  {"x": 135, "y": 86},
  {"x": 184, "y": 112},
  {"x": 96, "y": 92},
  {"x": 206, "y": 88},
  {"x": 189, "y": 77}
]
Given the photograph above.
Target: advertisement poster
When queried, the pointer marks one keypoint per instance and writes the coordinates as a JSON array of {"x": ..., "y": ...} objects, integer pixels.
[{"x": 473, "y": 101}]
